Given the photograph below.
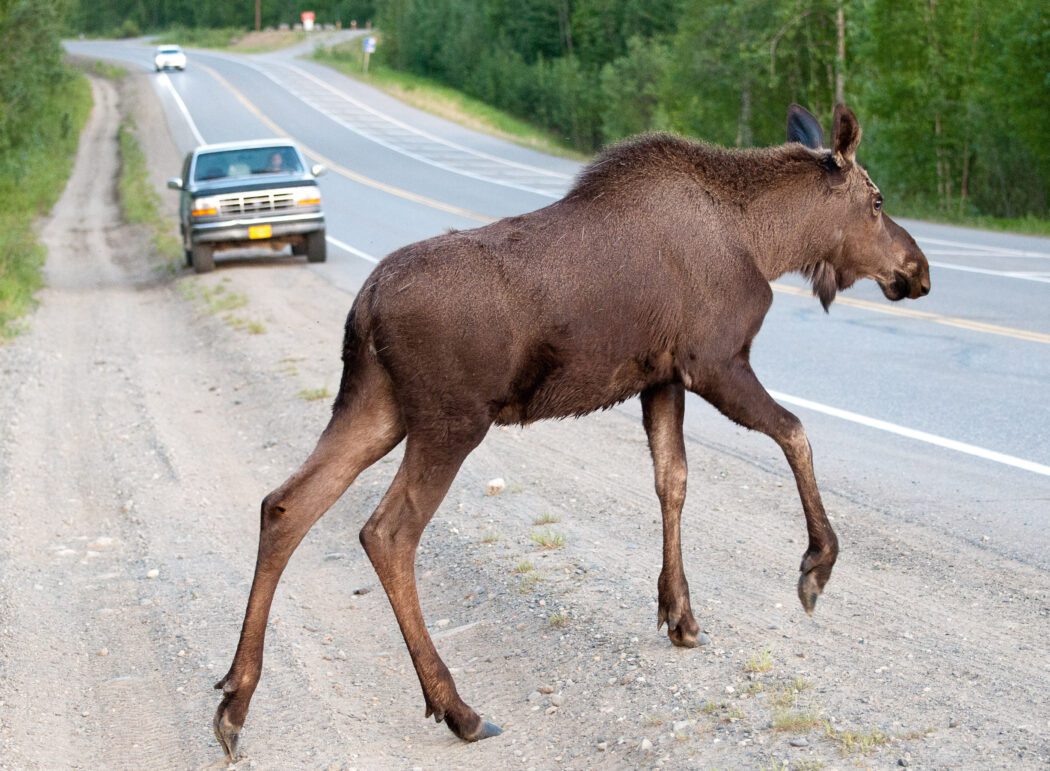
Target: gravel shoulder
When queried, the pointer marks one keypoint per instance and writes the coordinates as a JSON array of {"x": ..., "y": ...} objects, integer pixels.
[{"x": 145, "y": 415}]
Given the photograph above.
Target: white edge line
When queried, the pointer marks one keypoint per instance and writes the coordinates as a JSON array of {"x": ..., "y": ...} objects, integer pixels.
[
  {"x": 438, "y": 140},
  {"x": 911, "y": 433},
  {"x": 356, "y": 252},
  {"x": 400, "y": 150},
  {"x": 987, "y": 272},
  {"x": 989, "y": 251},
  {"x": 182, "y": 108}
]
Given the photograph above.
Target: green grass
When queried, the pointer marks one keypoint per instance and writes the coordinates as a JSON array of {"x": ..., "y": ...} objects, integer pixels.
[
  {"x": 139, "y": 201},
  {"x": 548, "y": 539},
  {"x": 32, "y": 177},
  {"x": 524, "y": 567},
  {"x": 443, "y": 101},
  {"x": 856, "y": 742},
  {"x": 104, "y": 69},
  {"x": 231, "y": 39},
  {"x": 558, "y": 620},
  {"x": 930, "y": 212},
  {"x": 762, "y": 662},
  {"x": 794, "y": 721},
  {"x": 546, "y": 519},
  {"x": 314, "y": 394},
  {"x": 200, "y": 37}
]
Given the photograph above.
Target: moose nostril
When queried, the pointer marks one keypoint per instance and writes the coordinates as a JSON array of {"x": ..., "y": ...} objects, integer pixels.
[{"x": 924, "y": 289}]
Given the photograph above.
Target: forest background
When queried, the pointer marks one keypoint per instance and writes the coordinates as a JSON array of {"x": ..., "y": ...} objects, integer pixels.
[{"x": 954, "y": 95}]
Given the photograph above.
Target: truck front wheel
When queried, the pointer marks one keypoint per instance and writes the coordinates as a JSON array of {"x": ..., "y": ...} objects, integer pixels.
[
  {"x": 203, "y": 258},
  {"x": 315, "y": 247}
]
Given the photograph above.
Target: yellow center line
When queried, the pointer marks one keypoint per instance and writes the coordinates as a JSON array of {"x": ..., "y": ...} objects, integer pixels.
[
  {"x": 344, "y": 171},
  {"x": 890, "y": 310},
  {"x": 935, "y": 318}
]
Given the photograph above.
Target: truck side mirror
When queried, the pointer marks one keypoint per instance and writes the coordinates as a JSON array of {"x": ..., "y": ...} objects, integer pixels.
[
  {"x": 175, "y": 183},
  {"x": 317, "y": 169}
]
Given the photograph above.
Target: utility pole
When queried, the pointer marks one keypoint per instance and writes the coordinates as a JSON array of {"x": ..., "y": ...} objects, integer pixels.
[{"x": 258, "y": 15}]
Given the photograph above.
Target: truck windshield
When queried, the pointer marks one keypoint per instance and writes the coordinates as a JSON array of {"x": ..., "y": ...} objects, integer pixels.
[{"x": 246, "y": 163}]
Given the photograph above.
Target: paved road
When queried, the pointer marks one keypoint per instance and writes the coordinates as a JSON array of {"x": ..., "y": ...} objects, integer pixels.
[{"x": 935, "y": 411}]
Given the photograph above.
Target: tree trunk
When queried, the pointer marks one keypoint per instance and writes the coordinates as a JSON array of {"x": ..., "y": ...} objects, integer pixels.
[
  {"x": 840, "y": 55},
  {"x": 743, "y": 127}
]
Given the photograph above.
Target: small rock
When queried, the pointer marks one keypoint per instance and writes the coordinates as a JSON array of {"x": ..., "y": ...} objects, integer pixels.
[
  {"x": 103, "y": 651},
  {"x": 557, "y": 699},
  {"x": 532, "y": 696},
  {"x": 646, "y": 745},
  {"x": 363, "y": 590},
  {"x": 441, "y": 623},
  {"x": 801, "y": 741},
  {"x": 703, "y": 639},
  {"x": 603, "y": 746},
  {"x": 333, "y": 556},
  {"x": 681, "y": 725},
  {"x": 903, "y": 762},
  {"x": 953, "y": 722},
  {"x": 551, "y": 710},
  {"x": 495, "y": 486},
  {"x": 153, "y": 573},
  {"x": 102, "y": 542},
  {"x": 546, "y": 689}
]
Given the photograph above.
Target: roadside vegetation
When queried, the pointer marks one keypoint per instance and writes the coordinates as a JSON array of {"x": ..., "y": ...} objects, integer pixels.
[
  {"x": 43, "y": 107},
  {"x": 139, "y": 201},
  {"x": 952, "y": 95}
]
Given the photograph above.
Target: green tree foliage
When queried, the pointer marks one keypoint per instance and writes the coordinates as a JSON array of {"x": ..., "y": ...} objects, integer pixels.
[
  {"x": 30, "y": 70},
  {"x": 954, "y": 95}
]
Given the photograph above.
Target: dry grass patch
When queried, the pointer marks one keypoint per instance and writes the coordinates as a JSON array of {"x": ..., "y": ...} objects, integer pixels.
[
  {"x": 313, "y": 394},
  {"x": 794, "y": 721},
  {"x": 762, "y": 662},
  {"x": 548, "y": 539}
]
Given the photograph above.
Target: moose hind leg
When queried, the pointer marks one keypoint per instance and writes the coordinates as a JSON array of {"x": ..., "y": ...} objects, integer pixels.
[
  {"x": 739, "y": 395},
  {"x": 663, "y": 410},
  {"x": 355, "y": 439},
  {"x": 390, "y": 538}
]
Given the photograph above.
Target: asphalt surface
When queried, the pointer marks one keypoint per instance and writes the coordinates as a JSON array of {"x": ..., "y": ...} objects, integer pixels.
[{"x": 962, "y": 377}]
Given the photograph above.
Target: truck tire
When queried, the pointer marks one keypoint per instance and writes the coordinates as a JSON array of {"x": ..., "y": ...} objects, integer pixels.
[
  {"x": 189, "y": 257},
  {"x": 203, "y": 258},
  {"x": 315, "y": 247}
]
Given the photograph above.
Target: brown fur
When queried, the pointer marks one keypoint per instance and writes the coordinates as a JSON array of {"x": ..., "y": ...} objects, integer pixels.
[{"x": 650, "y": 277}]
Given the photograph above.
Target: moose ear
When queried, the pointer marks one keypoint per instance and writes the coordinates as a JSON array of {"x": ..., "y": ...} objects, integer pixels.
[
  {"x": 804, "y": 128},
  {"x": 845, "y": 134}
]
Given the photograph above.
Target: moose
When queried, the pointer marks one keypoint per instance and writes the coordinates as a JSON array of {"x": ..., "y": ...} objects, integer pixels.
[{"x": 652, "y": 277}]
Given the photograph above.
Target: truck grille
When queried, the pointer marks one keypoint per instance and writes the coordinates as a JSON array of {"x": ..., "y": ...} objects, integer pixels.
[{"x": 255, "y": 203}]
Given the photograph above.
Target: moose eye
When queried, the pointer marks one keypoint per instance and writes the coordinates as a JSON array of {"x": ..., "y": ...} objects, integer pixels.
[{"x": 878, "y": 202}]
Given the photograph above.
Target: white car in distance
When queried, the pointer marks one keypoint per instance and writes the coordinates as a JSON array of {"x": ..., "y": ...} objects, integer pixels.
[{"x": 169, "y": 57}]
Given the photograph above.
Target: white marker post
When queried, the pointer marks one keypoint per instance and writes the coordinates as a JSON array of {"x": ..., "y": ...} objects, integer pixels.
[{"x": 368, "y": 45}]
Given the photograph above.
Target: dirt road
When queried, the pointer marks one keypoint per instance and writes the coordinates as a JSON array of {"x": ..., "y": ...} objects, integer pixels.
[{"x": 144, "y": 417}]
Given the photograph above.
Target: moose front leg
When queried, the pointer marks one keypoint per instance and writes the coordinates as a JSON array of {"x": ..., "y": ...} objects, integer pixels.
[
  {"x": 663, "y": 409},
  {"x": 737, "y": 393}
]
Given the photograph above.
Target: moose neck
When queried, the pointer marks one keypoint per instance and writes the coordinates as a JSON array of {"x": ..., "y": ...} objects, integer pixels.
[{"x": 775, "y": 204}]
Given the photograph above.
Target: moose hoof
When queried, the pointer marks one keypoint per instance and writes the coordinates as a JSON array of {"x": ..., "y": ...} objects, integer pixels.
[
  {"x": 682, "y": 628},
  {"x": 483, "y": 730},
  {"x": 228, "y": 734},
  {"x": 809, "y": 590},
  {"x": 486, "y": 731}
]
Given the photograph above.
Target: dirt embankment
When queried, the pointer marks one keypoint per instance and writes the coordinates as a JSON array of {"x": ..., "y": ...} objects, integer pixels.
[{"x": 145, "y": 416}]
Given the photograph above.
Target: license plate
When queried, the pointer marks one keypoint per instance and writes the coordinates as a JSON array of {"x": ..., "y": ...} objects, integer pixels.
[{"x": 260, "y": 231}]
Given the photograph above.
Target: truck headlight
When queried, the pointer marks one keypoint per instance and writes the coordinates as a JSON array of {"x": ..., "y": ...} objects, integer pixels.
[
  {"x": 205, "y": 207},
  {"x": 308, "y": 196}
]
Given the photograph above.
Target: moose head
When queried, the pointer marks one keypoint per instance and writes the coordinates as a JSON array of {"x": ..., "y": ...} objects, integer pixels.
[{"x": 866, "y": 243}]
